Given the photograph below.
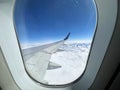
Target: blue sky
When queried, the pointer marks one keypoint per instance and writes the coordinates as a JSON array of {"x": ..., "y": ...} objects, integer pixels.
[{"x": 49, "y": 20}]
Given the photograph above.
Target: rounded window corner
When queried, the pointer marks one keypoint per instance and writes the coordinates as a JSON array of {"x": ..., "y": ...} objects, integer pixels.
[{"x": 55, "y": 38}]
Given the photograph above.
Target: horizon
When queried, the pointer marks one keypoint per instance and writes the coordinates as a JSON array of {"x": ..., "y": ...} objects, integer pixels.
[{"x": 34, "y": 44}]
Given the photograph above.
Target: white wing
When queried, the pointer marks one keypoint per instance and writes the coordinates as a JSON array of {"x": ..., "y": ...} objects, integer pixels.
[{"x": 37, "y": 59}]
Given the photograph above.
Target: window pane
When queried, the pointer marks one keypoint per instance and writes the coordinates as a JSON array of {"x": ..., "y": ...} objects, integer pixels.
[{"x": 55, "y": 37}]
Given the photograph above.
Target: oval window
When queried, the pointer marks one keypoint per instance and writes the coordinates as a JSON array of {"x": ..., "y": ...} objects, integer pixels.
[{"x": 55, "y": 37}]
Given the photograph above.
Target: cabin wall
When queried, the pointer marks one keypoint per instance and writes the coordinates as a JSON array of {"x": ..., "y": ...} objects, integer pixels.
[
  {"x": 6, "y": 80},
  {"x": 111, "y": 60}
]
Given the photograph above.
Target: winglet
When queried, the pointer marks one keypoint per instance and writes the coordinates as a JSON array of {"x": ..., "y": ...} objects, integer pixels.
[{"x": 67, "y": 36}]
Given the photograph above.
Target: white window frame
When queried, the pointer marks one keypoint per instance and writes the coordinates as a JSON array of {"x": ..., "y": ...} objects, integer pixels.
[{"x": 107, "y": 13}]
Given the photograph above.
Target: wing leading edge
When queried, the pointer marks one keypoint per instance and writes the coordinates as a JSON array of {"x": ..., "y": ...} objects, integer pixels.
[{"x": 37, "y": 58}]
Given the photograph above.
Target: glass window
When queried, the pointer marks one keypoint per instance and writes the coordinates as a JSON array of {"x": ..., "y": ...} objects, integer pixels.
[{"x": 55, "y": 37}]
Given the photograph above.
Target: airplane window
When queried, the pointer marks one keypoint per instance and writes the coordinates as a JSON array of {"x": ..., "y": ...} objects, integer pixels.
[{"x": 55, "y": 37}]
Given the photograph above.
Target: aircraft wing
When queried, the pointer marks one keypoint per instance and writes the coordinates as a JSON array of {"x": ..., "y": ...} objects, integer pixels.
[{"x": 37, "y": 59}]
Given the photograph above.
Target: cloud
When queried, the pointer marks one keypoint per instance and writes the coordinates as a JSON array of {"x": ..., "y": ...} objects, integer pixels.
[{"x": 73, "y": 61}]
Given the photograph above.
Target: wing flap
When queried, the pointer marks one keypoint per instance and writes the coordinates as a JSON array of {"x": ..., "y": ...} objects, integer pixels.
[{"x": 52, "y": 66}]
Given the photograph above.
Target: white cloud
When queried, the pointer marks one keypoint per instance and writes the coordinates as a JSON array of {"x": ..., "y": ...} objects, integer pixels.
[{"x": 73, "y": 61}]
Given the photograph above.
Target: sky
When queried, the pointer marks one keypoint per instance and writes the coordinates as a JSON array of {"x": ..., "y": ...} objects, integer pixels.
[{"x": 51, "y": 20}]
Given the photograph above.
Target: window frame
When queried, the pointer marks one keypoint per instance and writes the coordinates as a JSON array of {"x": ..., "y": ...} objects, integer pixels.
[{"x": 11, "y": 51}]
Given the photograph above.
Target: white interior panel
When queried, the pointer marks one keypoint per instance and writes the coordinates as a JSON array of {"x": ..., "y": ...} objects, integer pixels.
[{"x": 107, "y": 13}]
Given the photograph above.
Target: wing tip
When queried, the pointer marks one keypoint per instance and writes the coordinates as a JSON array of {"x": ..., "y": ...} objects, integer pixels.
[{"x": 67, "y": 36}]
